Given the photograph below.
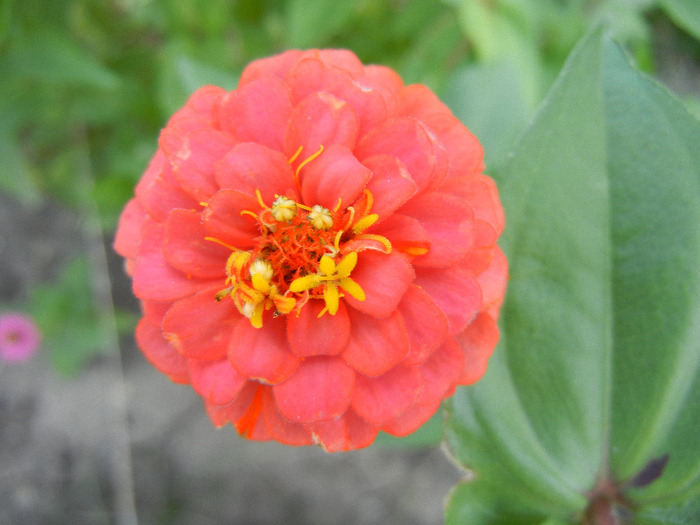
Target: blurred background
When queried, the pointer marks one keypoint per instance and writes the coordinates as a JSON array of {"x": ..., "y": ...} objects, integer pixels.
[{"x": 89, "y": 432}]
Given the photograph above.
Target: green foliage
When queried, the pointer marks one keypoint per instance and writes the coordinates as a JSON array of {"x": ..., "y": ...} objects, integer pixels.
[
  {"x": 65, "y": 313},
  {"x": 598, "y": 370}
]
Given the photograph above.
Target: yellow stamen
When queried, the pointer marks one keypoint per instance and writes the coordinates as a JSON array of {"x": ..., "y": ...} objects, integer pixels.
[
  {"x": 304, "y": 163},
  {"x": 364, "y": 223},
  {"x": 296, "y": 155},
  {"x": 283, "y": 209}
]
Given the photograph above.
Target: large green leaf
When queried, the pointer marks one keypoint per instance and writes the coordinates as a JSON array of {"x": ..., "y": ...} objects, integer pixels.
[
  {"x": 686, "y": 13},
  {"x": 598, "y": 367}
]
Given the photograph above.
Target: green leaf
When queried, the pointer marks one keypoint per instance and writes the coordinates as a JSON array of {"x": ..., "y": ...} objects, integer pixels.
[
  {"x": 311, "y": 23},
  {"x": 685, "y": 13},
  {"x": 54, "y": 58},
  {"x": 65, "y": 313},
  {"x": 597, "y": 372}
]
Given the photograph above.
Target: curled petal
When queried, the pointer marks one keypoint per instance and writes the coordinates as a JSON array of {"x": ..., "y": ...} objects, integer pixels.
[
  {"x": 320, "y": 120},
  {"x": 154, "y": 278},
  {"x": 185, "y": 246},
  {"x": 257, "y": 111},
  {"x": 319, "y": 390},
  {"x": 441, "y": 372},
  {"x": 195, "y": 161},
  {"x": 449, "y": 223},
  {"x": 477, "y": 343},
  {"x": 481, "y": 194},
  {"x": 280, "y": 428},
  {"x": 277, "y": 65},
  {"x": 216, "y": 381},
  {"x": 311, "y": 335},
  {"x": 455, "y": 291},
  {"x": 409, "y": 141},
  {"x": 199, "y": 326},
  {"x": 465, "y": 152},
  {"x": 159, "y": 192},
  {"x": 128, "y": 236},
  {"x": 391, "y": 184},
  {"x": 384, "y": 279},
  {"x": 378, "y": 400},
  {"x": 426, "y": 324},
  {"x": 312, "y": 75},
  {"x": 223, "y": 219},
  {"x": 262, "y": 354},
  {"x": 250, "y": 167},
  {"x": 159, "y": 352},
  {"x": 348, "y": 432},
  {"x": 334, "y": 175},
  {"x": 405, "y": 233},
  {"x": 408, "y": 422},
  {"x": 375, "y": 345}
]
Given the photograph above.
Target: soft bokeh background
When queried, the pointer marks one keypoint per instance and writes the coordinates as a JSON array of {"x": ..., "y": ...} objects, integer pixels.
[{"x": 89, "y": 432}]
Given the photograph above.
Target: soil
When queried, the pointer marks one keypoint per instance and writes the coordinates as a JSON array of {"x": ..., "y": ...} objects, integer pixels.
[{"x": 120, "y": 443}]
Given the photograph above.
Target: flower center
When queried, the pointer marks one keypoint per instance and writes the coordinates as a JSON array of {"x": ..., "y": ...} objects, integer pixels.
[{"x": 302, "y": 253}]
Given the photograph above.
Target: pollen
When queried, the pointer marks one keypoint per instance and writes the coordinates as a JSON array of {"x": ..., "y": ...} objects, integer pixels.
[
  {"x": 283, "y": 209},
  {"x": 320, "y": 217}
]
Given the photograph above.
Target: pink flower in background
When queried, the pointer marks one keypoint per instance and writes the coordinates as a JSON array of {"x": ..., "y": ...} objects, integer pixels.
[
  {"x": 19, "y": 337},
  {"x": 315, "y": 252}
]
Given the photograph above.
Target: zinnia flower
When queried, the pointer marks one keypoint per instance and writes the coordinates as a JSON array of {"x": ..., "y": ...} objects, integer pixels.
[
  {"x": 19, "y": 337},
  {"x": 315, "y": 252}
]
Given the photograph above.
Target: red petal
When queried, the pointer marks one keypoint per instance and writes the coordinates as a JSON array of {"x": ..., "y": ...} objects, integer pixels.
[
  {"x": 223, "y": 220},
  {"x": 477, "y": 343},
  {"x": 405, "y": 234},
  {"x": 279, "y": 428},
  {"x": 348, "y": 432},
  {"x": 195, "y": 161},
  {"x": 320, "y": 389},
  {"x": 482, "y": 195},
  {"x": 128, "y": 235},
  {"x": 455, "y": 291},
  {"x": 154, "y": 278},
  {"x": 159, "y": 191},
  {"x": 391, "y": 184},
  {"x": 276, "y": 65},
  {"x": 161, "y": 355},
  {"x": 215, "y": 381},
  {"x": 341, "y": 58},
  {"x": 441, "y": 371},
  {"x": 262, "y": 353},
  {"x": 154, "y": 311},
  {"x": 251, "y": 424},
  {"x": 407, "y": 140},
  {"x": 384, "y": 279},
  {"x": 232, "y": 412},
  {"x": 465, "y": 152},
  {"x": 311, "y": 335},
  {"x": 312, "y": 75},
  {"x": 187, "y": 250},
  {"x": 381, "y": 399},
  {"x": 411, "y": 420},
  {"x": 449, "y": 223},
  {"x": 336, "y": 174},
  {"x": 375, "y": 345},
  {"x": 320, "y": 120},
  {"x": 493, "y": 282},
  {"x": 257, "y": 111},
  {"x": 199, "y": 326},
  {"x": 426, "y": 325},
  {"x": 249, "y": 167}
]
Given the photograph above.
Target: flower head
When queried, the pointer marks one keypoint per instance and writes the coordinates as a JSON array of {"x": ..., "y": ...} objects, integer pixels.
[
  {"x": 19, "y": 337},
  {"x": 315, "y": 252}
]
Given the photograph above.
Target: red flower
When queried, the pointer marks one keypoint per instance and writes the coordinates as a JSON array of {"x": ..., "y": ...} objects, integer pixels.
[{"x": 315, "y": 252}]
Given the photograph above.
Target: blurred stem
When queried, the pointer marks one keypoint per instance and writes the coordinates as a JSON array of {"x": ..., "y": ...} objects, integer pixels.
[{"x": 119, "y": 451}]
